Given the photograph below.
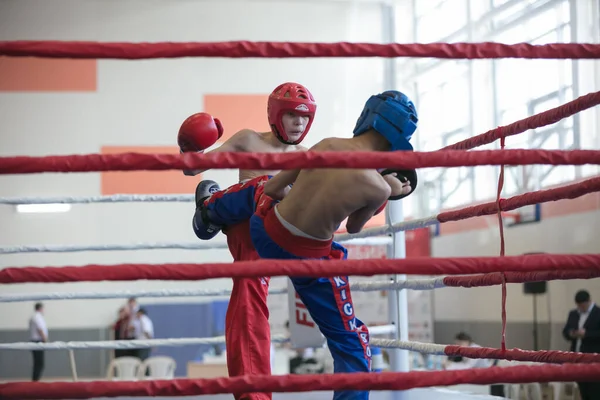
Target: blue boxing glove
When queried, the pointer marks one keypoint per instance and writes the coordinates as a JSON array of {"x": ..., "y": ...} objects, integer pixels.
[{"x": 203, "y": 227}]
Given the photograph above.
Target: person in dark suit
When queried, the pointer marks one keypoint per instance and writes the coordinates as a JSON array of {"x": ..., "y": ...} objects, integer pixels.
[{"x": 583, "y": 331}]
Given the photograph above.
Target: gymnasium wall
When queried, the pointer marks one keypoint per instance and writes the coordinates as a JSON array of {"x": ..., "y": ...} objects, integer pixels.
[
  {"x": 570, "y": 226},
  {"x": 110, "y": 106},
  {"x": 103, "y": 106},
  {"x": 567, "y": 227},
  {"x": 91, "y": 106}
]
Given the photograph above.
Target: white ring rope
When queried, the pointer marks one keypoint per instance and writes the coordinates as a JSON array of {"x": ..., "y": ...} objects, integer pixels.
[
  {"x": 374, "y": 241},
  {"x": 389, "y": 229},
  {"x": 125, "y": 294},
  {"x": 352, "y": 239},
  {"x": 122, "y": 344},
  {"x": 412, "y": 284},
  {"x": 112, "y": 247},
  {"x": 136, "y": 344},
  {"x": 116, "y": 198},
  {"x": 126, "y": 198},
  {"x": 424, "y": 348},
  {"x": 382, "y": 329}
]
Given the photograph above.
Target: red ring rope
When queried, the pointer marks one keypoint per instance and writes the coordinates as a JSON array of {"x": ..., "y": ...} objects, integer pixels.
[
  {"x": 571, "y": 191},
  {"x": 542, "y": 119},
  {"x": 502, "y": 242},
  {"x": 247, "y": 49},
  {"x": 544, "y": 356},
  {"x": 292, "y": 160},
  {"x": 516, "y": 277},
  {"x": 324, "y": 268},
  {"x": 133, "y": 161},
  {"x": 58, "y": 49},
  {"x": 301, "y": 383}
]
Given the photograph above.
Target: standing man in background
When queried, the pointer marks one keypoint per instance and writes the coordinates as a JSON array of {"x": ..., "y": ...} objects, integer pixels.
[
  {"x": 290, "y": 110},
  {"x": 583, "y": 331},
  {"x": 38, "y": 333},
  {"x": 132, "y": 325},
  {"x": 145, "y": 332}
]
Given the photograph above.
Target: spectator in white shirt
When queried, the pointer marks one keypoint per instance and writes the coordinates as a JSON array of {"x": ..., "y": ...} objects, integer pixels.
[
  {"x": 132, "y": 308},
  {"x": 144, "y": 332},
  {"x": 38, "y": 332},
  {"x": 457, "y": 362}
]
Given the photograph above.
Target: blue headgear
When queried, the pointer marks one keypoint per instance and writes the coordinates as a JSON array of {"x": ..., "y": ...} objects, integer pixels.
[{"x": 391, "y": 114}]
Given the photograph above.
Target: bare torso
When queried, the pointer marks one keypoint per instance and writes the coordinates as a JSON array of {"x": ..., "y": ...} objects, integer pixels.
[
  {"x": 261, "y": 142},
  {"x": 321, "y": 199}
]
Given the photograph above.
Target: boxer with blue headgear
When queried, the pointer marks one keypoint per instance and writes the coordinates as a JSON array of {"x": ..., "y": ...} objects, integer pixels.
[
  {"x": 300, "y": 222},
  {"x": 393, "y": 115}
]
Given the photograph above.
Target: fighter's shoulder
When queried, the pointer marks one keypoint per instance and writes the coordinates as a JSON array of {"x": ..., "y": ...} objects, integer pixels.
[
  {"x": 244, "y": 138},
  {"x": 328, "y": 144},
  {"x": 246, "y": 133},
  {"x": 299, "y": 147}
]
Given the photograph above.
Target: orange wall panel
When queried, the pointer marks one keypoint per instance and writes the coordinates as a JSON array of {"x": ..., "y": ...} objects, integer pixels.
[
  {"x": 47, "y": 75},
  {"x": 146, "y": 182},
  {"x": 238, "y": 111}
]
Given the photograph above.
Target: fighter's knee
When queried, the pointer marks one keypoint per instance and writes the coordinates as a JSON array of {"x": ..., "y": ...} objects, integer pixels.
[
  {"x": 203, "y": 227},
  {"x": 204, "y": 190}
]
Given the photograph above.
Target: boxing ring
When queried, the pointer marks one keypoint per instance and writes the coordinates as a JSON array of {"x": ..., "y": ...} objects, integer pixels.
[{"x": 467, "y": 272}]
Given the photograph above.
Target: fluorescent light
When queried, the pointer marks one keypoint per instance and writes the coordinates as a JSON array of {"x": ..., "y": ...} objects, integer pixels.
[{"x": 43, "y": 208}]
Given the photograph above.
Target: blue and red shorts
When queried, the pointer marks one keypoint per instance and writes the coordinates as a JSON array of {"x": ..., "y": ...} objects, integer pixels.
[
  {"x": 328, "y": 300},
  {"x": 247, "y": 329}
]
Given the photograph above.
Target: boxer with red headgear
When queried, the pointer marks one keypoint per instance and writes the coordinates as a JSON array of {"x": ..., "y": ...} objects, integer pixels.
[
  {"x": 290, "y": 101},
  {"x": 300, "y": 222},
  {"x": 290, "y": 110}
]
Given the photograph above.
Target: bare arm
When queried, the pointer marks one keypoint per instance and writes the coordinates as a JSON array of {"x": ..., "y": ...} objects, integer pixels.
[
  {"x": 378, "y": 194},
  {"x": 278, "y": 186},
  {"x": 237, "y": 143},
  {"x": 357, "y": 220}
]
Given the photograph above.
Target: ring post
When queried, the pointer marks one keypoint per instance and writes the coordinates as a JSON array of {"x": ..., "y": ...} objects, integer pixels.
[{"x": 398, "y": 299}]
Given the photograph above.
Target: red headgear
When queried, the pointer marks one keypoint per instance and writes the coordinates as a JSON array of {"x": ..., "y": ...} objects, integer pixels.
[{"x": 290, "y": 97}]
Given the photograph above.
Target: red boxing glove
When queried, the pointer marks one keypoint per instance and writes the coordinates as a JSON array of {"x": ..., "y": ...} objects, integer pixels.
[
  {"x": 381, "y": 208},
  {"x": 198, "y": 132}
]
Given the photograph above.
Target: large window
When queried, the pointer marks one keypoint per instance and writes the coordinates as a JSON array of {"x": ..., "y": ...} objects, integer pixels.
[
  {"x": 438, "y": 19},
  {"x": 528, "y": 87},
  {"x": 458, "y": 99}
]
